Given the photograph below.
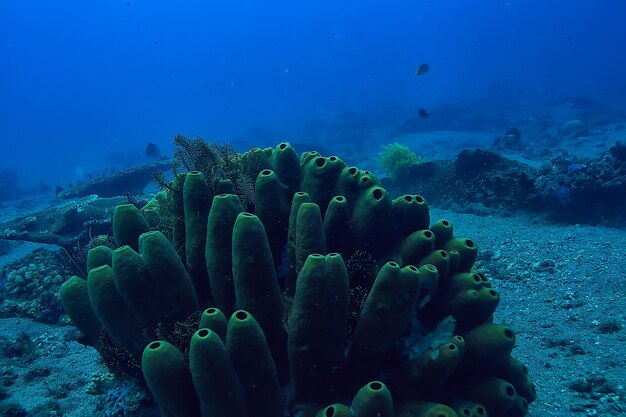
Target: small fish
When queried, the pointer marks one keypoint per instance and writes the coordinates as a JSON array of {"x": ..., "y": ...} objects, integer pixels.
[
  {"x": 422, "y": 69},
  {"x": 153, "y": 151},
  {"x": 423, "y": 113},
  {"x": 513, "y": 132}
]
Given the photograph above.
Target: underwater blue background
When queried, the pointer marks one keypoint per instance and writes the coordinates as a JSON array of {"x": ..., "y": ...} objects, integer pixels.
[{"x": 86, "y": 84}]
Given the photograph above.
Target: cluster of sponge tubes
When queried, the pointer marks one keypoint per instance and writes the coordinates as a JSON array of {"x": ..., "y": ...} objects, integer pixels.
[{"x": 280, "y": 331}]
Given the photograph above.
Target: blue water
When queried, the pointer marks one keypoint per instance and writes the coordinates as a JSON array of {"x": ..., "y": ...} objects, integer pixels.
[{"x": 86, "y": 84}]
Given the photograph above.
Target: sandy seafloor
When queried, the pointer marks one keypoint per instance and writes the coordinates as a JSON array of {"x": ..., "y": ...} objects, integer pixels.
[{"x": 562, "y": 290}]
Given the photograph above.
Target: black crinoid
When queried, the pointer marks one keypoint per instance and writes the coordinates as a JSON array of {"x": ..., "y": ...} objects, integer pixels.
[{"x": 221, "y": 165}]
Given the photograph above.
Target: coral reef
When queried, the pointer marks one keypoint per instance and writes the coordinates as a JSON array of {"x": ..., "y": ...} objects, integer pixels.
[
  {"x": 131, "y": 180},
  {"x": 119, "y": 398},
  {"x": 9, "y": 409},
  {"x": 586, "y": 190},
  {"x": 618, "y": 152},
  {"x": 475, "y": 176},
  {"x": 237, "y": 305},
  {"x": 67, "y": 225},
  {"x": 397, "y": 160},
  {"x": 574, "y": 129},
  {"x": 21, "y": 347},
  {"x": 568, "y": 190},
  {"x": 510, "y": 141},
  {"x": 30, "y": 286},
  {"x": 5, "y": 247}
]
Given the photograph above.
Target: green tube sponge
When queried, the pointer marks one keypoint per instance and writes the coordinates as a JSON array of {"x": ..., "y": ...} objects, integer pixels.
[
  {"x": 75, "y": 299},
  {"x": 309, "y": 233},
  {"x": 225, "y": 186},
  {"x": 305, "y": 410},
  {"x": 424, "y": 409},
  {"x": 348, "y": 184},
  {"x": 317, "y": 327},
  {"x": 112, "y": 312},
  {"x": 299, "y": 198},
  {"x": 128, "y": 225},
  {"x": 335, "y": 410},
  {"x": 216, "y": 383},
  {"x": 162, "y": 197},
  {"x": 286, "y": 164},
  {"x": 459, "y": 342},
  {"x": 371, "y": 221},
  {"x": 488, "y": 345},
  {"x": 516, "y": 373},
  {"x": 175, "y": 205},
  {"x": 454, "y": 261},
  {"x": 254, "y": 365},
  {"x": 306, "y": 157},
  {"x": 171, "y": 282},
  {"x": 337, "y": 226},
  {"x": 497, "y": 395},
  {"x": 429, "y": 280},
  {"x": 272, "y": 207},
  {"x": 197, "y": 199},
  {"x": 98, "y": 256},
  {"x": 460, "y": 290},
  {"x": 468, "y": 250},
  {"x": 373, "y": 400},
  {"x": 408, "y": 214},
  {"x": 219, "y": 249},
  {"x": 256, "y": 160},
  {"x": 367, "y": 180},
  {"x": 167, "y": 375},
  {"x": 137, "y": 288},
  {"x": 416, "y": 246},
  {"x": 519, "y": 407},
  {"x": 385, "y": 314},
  {"x": 443, "y": 231},
  {"x": 318, "y": 336},
  {"x": 441, "y": 261},
  {"x": 320, "y": 179},
  {"x": 470, "y": 409},
  {"x": 478, "y": 410},
  {"x": 256, "y": 286},
  {"x": 152, "y": 213},
  {"x": 212, "y": 318},
  {"x": 466, "y": 281},
  {"x": 471, "y": 308},
  {"x": 432, "y": 370}
]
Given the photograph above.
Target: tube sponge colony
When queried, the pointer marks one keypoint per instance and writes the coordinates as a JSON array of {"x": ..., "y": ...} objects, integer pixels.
[{"x": 332, "y": 299}]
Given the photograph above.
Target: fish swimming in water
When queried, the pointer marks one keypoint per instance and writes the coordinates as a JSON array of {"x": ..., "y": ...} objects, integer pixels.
[
  {"x": 422, "y": 69},
  {"x": 513, "y": 132},
  {"x": 423, "y": 113},
  {"x": 153, "y": 151}
]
